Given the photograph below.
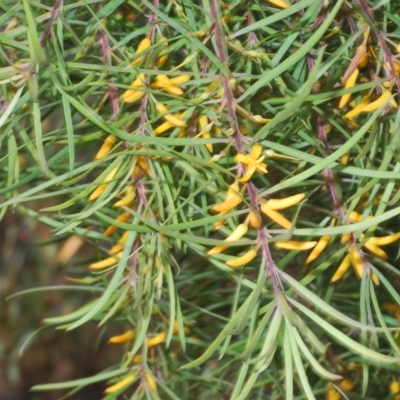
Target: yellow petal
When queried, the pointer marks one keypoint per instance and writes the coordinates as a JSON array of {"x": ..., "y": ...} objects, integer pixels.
[
  {"x": 130, "y": 96},
  {"x": 293, "y": 245},
  {"x": 125, "y": 337},
  {"x": 347, "y": 385},
  {"x": 161, "y": 108},
  {"x": 243, "y": 260},
  {"x": 356, "y": 217},
  {"x": 384, "y": 240},
  {"x": 376, "y": 250},
  {"x": 318, "y": 249},
  {"x": 228, "y": 205},
  {"x": 163, "y": 128},
  {"x": 357, "y": 263},
  {"x": 100, "y": 189},
  {"x": 108, "y": 262},
  {"x": 342, "y": 268},
  {"x": 112, "y": 228},
  {"x": 357, "y": 110},
  {"x": 143, "y": 45},
  {"x": 237, "y": 234},
  {"x": 279, "y": 3},
  {"x": 256, "y": 151},
  {"x": 155, "y": 341},
  {"x": 120, "y": 384},
  {"x": 254, "y": 220},
  {"x": 249, "y": 173},
  {"x": 69, "y": 249},
  {"x": 175, "y": 121},
  {"x": 276, "y": 217},
  {"x": 128, "y": 199},
  {"x": 151, "y": 382},
  {"x": 349, "y": 83},
  {"x": 386, "y": 94},
  {"x": 281, "y": 204},
  {"x": 180, "y": 79},
  {"x": 375, "y": 279},
  {"x": 106, "y": 147}
]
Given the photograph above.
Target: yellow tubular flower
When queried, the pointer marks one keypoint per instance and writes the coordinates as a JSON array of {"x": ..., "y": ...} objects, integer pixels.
[
  {"x": 363, "y": 61},
  {"x": 175, "y": 121},
  {"x": 357, "y": 110},
  {"x": 342, "y": 268},
  {"x": 276, "y": 217},
  {"x": 155, "y": 341},
  {"x": 375, "y": 279},
  {"x": 345, "y": 158},
  {"x": 356, "y": 217},
  {"x": 143, "y": 45},
  {"x": 258, "y": 119},
  {"x": 293, "y": 245},
  {"x": 108, "y": 262},
  {"x": 349, "y": 83},
  {"x": 127, "y": 199},
  {"x": 356, "y": 262},
  {"x": 345, "y": 237},
  {"x": 243, "y": 260},
  {"x": 376, "y": 250},
  {"x": 333, "y": 394},
  {"x": 137, "y": 359},
  {"x": 106, "y": 147},
  {"x": 394, "y": 388},
  {"x": 386, "y": 94},
  {"x": 384, "y": 240},
  {"x": 100, "y": 189},
  {"x": 253, "y": 162},
  {"x": 237, "y": 234},
  {"x": 162, "y": 59},
  {"x": 180, "y": 79},
  {"x": 229, "y": 204},
  {"x": 279, "y": 3},
  {"x": 347, "y": 385},
  {"x": 125, "y": 337},
  {"x": 163, "y": 128},
  {"x": 281, "y": 204},
  {"x": 112, "y": 228},
  {"x": 254, "y": 220},
  {"x": 318, "y": 249},
  {"x": 120, "y": 384},
  {"x": 151, "y": 382},
  {"x": 132, "y": 95}
]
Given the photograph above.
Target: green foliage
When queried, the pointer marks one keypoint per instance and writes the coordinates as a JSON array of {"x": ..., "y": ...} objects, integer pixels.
[{"x": 228, "y": 150}]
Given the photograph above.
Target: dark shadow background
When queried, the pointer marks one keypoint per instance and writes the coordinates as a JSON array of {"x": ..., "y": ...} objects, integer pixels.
[{"x": 27, "y": 260}]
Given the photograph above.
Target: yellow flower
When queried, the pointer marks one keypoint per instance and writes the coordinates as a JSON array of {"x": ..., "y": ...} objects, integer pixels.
[
  {"x": 353, "y": 258},
  {"x": 101, "y": 188},
  {"x": 293, "y": 245},
  {"x": 112, "y": 228},
  {"x": 106, "y": 147},
  {"x": 137, "y": 92},
  {"x": 253, "y": 161},
  {"x": 237, "y": 234},
  {"x": 242, "y": 260},
  {"x": 269, "y": 208},
  {"x": 121, "y": 384},
  {"x": 394, "y": 388},
  {"x": 232, "y": 199},
  {"x": 125, "y": 337},
  {"x": 156, "y": 340},
  {"x": 348, "y": 84},
  {"x": 143, "y": 45}
]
